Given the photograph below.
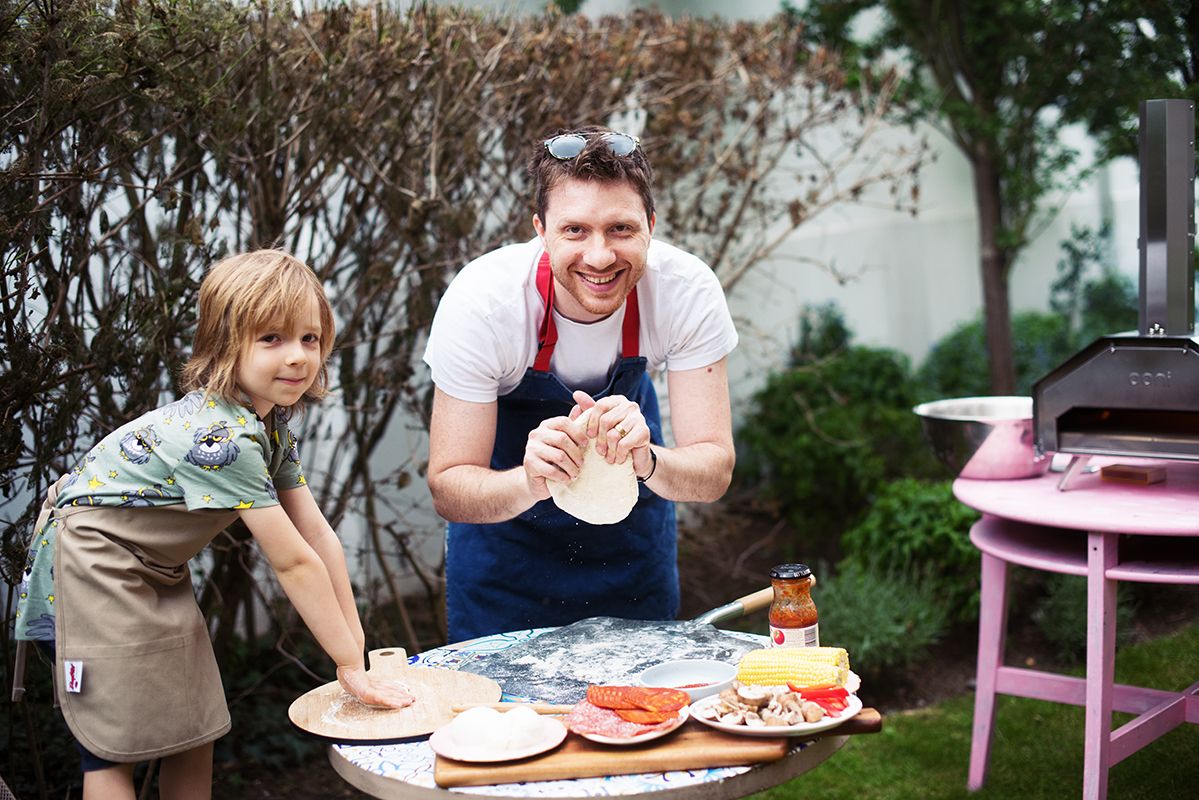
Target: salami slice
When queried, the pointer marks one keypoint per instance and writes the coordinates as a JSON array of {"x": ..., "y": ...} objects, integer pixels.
[
  {"x": 586, "y": 718},
  {"x": 643, "y": 717}
]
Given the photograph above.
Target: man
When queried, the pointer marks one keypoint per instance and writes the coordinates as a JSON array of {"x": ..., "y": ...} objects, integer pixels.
[{"x": 530, "y": 336}]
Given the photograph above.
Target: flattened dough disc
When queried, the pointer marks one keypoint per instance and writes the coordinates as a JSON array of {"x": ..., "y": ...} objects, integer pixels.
[{"x": 603, "y": 493}]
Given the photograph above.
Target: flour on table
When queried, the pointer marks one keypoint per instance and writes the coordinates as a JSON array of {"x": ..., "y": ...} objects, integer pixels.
[
  {"x": 557, "y": 667},
  {"x": 345, "y": 709}
]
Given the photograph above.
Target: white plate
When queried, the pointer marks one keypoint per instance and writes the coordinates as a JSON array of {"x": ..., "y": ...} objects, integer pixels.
[
  {"x": 802, "y": 729},
  {"x": 444, "y": 744},
  {"x": 645, "y": 737}
]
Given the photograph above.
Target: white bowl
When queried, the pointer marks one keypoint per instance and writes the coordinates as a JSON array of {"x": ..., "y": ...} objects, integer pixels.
[{"x": 712, "y": 676}]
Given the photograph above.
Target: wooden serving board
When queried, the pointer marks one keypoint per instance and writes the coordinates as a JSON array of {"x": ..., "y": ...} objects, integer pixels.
[
  {"x": 693, "y": 746},
  {"x": 332, "y": 713}
]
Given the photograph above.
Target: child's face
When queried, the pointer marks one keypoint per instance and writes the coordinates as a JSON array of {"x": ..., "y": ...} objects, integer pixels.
[{"x": 281, "y": 363}]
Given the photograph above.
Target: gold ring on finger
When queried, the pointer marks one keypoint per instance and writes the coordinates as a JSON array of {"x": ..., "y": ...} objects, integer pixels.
[{"x": 623, "y": 433}]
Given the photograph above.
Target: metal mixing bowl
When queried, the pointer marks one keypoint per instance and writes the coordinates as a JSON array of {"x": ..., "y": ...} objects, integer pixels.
[{"x": 989, "y": 438}]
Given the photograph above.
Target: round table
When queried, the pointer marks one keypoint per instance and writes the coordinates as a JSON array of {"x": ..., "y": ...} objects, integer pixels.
[
  {"x": 405, "y": 770},
  {"x": 1106, "y": 532}
]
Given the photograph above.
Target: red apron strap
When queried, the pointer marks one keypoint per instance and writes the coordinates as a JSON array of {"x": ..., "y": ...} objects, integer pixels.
[
  {"x": 630, "y": 341},
  {"x": 547, "y": 334}
]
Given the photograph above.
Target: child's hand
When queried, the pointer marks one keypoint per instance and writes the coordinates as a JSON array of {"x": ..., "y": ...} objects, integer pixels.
[{"x": 374, "y": 691}]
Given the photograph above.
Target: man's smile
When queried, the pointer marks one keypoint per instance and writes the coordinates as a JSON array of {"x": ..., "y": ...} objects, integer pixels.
[{"x": 600, "y": 280}]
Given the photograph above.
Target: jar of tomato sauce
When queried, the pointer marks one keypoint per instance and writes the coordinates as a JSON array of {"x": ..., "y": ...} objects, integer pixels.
[{"x": 793, "y": 617}]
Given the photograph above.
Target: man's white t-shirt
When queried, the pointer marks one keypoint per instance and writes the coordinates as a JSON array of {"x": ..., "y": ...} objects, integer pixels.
[{"x": 484, "y": 334}]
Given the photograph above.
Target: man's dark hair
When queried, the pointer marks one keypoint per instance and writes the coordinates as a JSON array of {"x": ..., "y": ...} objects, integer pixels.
[{"x": 595, "y": 163}]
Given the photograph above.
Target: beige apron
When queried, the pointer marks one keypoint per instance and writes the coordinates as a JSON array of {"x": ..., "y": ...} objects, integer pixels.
[{"x": 126, "y": 619}]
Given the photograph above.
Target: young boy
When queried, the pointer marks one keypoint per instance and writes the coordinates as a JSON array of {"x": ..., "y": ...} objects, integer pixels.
[{"x": 107, "y": 579}]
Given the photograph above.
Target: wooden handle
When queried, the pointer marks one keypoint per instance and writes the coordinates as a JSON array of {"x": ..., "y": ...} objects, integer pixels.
[
  {"x": 387, "y": 662},
  {"x": 758, "y": 600},
  {"x": 540, "y": 708},
  {"x": 868, "y": 720},
  {"x": 762, "y": 598}
]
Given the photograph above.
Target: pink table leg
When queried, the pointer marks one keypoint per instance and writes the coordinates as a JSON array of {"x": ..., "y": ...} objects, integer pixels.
[
  {"x": 992, "y": 622},
  {"x": 1101, "y": 663}
]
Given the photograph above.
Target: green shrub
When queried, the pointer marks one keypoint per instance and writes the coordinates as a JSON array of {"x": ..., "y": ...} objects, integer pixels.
[
  {"x": 1061, "y": 615},
  {"x": 956, "y": 365},
  {"x": 822, "y": 333},
  {"x": 822, "y": 436},
  {"x": 1095, "y": 306},
  {"x": 1109, "y": 306},
  {"x": 917, "y": 527},
  {"x": 885, "y": 619}
]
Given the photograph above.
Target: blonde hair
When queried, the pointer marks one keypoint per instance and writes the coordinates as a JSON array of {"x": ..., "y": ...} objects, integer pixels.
[{"x": 245, "y": 295}]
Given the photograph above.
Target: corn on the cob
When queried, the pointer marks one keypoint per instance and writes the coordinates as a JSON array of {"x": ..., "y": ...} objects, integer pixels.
[{"x": 802, "y": 666}]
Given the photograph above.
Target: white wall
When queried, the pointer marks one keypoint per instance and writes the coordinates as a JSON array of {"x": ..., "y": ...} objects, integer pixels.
[{"x": 916, "y": 278}]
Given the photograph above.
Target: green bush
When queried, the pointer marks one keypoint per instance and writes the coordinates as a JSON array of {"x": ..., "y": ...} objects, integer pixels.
[
  {"x": 916, "y": 527},
  {"x": 1061, "y": 615},
  {"x": 956, "y": 365},
  {"x": 1089, "y": 299},
  {"x": 821, "y": 436},
  {"x": 885, "y": 619},
  {"x": 1109, "y": 305},
  {"x": 822, "y": 333},
  {"x": 1095, "y": 306}
]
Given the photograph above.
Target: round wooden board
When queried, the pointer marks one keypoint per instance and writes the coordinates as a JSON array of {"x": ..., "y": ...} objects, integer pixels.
[{"x": 331, "y": 713}]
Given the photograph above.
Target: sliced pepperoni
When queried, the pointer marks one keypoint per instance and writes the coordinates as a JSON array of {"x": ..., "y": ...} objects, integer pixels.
[
  {"x": 643, "y": 717},
  {"x": 611, "y": 697},
  {"x": 658, "y": 699}
]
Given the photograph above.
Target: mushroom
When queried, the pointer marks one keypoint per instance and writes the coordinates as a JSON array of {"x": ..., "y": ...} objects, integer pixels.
[
  {"x": 790, "y": 701},
  {"x": 733, "y": 718},
  {"x": 774, "y": 718},
  {"x": 753, "y": 696},
  {"x": 812, "y": 712}
]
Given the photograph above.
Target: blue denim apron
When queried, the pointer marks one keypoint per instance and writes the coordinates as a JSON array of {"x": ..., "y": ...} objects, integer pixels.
[{"x": 545, "y": 567}]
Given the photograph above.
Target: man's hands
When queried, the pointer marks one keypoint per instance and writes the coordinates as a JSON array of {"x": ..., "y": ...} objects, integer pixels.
[
  {"x": 619, "y": 426},
  {"x": 555, "y": 448},
  {"x": 554, "y": 452}
]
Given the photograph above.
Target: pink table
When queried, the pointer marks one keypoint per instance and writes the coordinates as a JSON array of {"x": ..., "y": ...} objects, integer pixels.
[{"x": 1078, "y": 532}]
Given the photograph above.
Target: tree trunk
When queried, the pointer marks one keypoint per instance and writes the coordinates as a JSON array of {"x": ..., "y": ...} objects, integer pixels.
[{"x": 993, "y": 262}]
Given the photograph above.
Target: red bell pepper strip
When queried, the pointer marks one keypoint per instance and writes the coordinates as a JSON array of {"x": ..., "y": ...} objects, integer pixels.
[
  {"x": 811, "y": 692},
  {"x": 832, "y": 706}
]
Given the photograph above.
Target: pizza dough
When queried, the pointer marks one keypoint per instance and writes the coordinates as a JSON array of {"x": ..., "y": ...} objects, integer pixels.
[
  {"x": 481, "y": 728},
  {"x": 489, "y": 730},
  {"x": 603, "y": 493}
]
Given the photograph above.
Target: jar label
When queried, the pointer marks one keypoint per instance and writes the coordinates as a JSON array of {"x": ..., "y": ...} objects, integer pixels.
[{"x": 808, "y": 636}]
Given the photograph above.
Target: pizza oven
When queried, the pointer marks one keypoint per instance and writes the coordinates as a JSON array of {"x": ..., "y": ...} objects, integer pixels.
[{"x": 1137, "y": 393}]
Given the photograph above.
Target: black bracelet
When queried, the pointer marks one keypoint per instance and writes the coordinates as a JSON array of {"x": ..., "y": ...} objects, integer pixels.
[{"x": 653, "y": 457}]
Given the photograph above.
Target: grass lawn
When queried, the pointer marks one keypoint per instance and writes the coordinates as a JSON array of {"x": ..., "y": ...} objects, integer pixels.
[{"x": 1036, "y": 749}]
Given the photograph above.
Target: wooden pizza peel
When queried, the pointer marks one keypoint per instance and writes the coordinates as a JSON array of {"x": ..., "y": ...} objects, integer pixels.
[{"x": 331, "y": 713}]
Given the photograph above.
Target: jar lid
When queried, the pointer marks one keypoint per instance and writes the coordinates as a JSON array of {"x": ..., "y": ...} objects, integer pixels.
[{"x": 788, "y": 572}]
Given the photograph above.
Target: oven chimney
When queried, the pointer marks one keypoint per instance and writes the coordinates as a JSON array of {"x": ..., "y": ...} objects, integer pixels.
[{"x": 1167, "y": 243}]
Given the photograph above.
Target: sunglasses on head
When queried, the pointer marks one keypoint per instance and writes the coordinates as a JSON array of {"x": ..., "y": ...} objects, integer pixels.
[{"x": 569, "y": 145}]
